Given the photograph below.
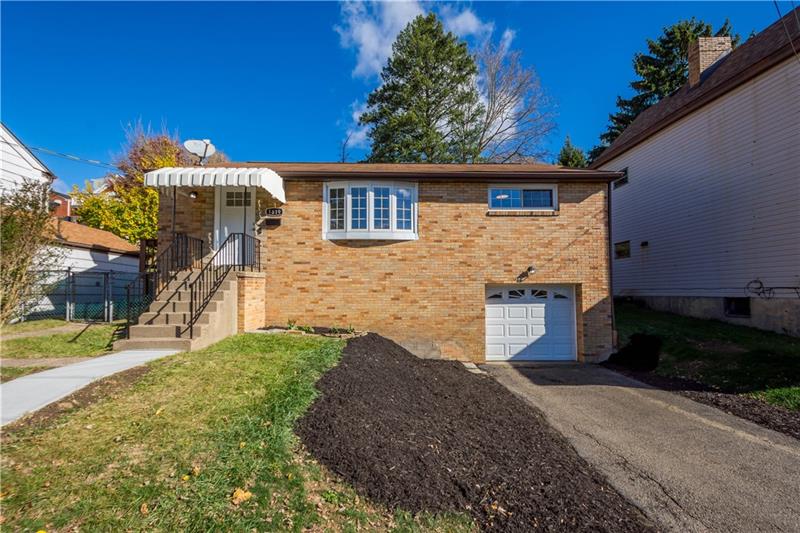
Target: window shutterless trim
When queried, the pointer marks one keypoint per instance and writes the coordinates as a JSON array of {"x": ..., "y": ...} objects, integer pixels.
[
  {"x": 552, "y": 187},
  {"x": 370, "y": 231}
]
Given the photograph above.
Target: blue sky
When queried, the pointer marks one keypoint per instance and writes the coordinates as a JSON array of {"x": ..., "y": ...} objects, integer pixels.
[{"x": 282, "y": 81}]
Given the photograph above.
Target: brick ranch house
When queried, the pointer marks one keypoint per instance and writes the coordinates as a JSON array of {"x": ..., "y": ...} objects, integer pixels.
[{"x": 467, "y": 262}]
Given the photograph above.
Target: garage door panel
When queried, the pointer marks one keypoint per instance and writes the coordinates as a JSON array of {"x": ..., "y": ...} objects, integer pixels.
[
  {"x": 495, "y": 330},
  {"x": 530, "y": 323},
  {"x": 537, "y": 330},
  {"x": 495, "y": 350},
  {"x": 517, "y": 330},
  {"x": 514, "y": 349},
  {"x": 495, "y": 311},
  {"x": 516, "y": 312}
]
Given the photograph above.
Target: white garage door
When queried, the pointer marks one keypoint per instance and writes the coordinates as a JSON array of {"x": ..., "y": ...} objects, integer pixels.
[{"x": 530, "y": 323}]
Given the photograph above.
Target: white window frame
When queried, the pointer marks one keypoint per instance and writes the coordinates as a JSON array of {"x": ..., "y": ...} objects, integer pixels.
[
  {"x": 552, "y": 187},
  {"x": 370, "y": 232}
]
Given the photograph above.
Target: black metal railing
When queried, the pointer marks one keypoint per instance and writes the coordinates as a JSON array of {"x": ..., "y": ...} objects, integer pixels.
[
  {"x": 239, "y": 252},
  {"x": 183, "y": 253}
]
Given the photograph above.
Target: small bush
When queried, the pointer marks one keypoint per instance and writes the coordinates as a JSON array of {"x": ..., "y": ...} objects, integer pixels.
[{"x": 642, "y": 353}]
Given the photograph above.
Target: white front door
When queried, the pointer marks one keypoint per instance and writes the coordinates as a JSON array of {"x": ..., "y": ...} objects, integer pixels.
[
  {"x": 530, "y": 323},
  {"x": 235, "y": 214}
]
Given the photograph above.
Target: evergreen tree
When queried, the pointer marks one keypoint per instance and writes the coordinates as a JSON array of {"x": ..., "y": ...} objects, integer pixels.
[
  {"x": 571, "y": 156},
  {"x": 427, "y": 108},
  {"x": 662, "y": 71}
]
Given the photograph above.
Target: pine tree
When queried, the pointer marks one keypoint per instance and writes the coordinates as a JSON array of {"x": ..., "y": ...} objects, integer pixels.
[
  {"x": 662, "y": 71},
  {"x": 571, "y": 156},
  {"x": 427, "y": 108}
]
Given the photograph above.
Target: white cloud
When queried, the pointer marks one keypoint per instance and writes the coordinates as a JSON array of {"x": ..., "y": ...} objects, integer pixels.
[
  {"x": 505, "y": 40},
  {"x": 465, "y": 23},
  {"x": 371, "y": 29},
  {"x": 357, "y": 132}
]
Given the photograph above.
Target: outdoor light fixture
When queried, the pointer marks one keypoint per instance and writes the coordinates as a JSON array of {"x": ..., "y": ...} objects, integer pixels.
[
  {"x": 193, "y": 195},
  {"x": 524, "y": 275}
]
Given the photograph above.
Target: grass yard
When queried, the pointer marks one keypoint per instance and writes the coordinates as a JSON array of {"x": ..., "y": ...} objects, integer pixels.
[
  {"x": 32, "y": 325},
  {"x": 91, "y": 340},
  {"x": 7, "y": 373},
  {"x": 734, "y": 358},
  {"x": 203, "y": 441}
]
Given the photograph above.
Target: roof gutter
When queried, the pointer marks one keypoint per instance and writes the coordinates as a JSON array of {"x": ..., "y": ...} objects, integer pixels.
[{"x": 596, "y": 175}]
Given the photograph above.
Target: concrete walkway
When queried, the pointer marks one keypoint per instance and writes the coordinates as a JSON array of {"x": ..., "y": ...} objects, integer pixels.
[
  {"x": 688, "y": 466},
  {"x": 30, "y": 393}
]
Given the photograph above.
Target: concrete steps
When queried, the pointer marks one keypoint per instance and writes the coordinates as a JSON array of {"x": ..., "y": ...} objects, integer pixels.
[{"x": 165, "y": 323}]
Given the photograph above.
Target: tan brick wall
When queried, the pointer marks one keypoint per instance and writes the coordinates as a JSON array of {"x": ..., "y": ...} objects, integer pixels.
[
  {"x": 251, "y": 294},
  {"x": 429, "y": 294},
  {"x": 426, "y": 294}
]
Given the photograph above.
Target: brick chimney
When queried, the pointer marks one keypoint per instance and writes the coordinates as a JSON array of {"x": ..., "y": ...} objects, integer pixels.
[{"x": 703, "y": 53}]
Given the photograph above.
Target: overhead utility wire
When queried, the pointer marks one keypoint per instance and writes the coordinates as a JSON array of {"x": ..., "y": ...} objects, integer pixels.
[
  {"x": 786, "y": 29},
  {"x": 64, "y": 156}
]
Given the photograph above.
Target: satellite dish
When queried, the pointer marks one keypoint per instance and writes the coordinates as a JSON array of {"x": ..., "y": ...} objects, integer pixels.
[{"x": 201, "y": 148}]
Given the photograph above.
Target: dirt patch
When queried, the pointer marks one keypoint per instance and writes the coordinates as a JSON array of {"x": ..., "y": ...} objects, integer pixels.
[
  {"x": 109, "y": 387},
  {"x": 770, "y": 416},
  {"x": 427, "y": 435}
]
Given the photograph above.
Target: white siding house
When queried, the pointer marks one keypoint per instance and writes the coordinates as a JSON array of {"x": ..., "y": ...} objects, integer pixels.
[
  {"x": 707, "y": 222},
  {"x": 17, "y": 163}
]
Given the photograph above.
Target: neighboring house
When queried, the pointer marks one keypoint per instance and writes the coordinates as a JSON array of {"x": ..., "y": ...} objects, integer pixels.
[
  {"x": 82, "y": 248},
  {"x": 706, "y": 222},
  {"x": 18, "y": 164},
  {"x": 469, "y": 262},
  {"x": 60, "y": 205}
]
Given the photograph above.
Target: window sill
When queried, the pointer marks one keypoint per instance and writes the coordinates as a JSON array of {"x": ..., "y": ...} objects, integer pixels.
[
  {"x": 370, "y": 235},
  {"x": 522, "y": 213}
]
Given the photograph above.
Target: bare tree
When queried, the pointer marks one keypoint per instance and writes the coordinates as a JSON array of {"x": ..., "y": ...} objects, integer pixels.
[
  {"x": 27, "y": 247},
  {"x": 517, "y": 114},
  {"x": 344, "y": 148}
]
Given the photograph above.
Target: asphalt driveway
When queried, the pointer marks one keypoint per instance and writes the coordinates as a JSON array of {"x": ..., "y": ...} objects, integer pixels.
[{"x": 688, "y": 466}]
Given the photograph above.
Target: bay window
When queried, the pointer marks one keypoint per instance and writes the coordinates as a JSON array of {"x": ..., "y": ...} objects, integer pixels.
[{"x": 370, "y": 210}]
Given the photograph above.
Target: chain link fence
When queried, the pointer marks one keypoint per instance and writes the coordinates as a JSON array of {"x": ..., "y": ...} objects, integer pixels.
[{"x": 87, "y": 296}]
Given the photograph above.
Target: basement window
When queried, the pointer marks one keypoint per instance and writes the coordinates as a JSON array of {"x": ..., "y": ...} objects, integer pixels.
[
  {"x": 622, "y": 250},
  {"x": 369, "y": 210},
  {"x": 737, "y": 307}
]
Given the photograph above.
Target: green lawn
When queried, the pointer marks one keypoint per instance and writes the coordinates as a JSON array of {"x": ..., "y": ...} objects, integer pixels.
[
  {"x": 7, "y": 373},
  {"x": 31, "y": 325},
  {"x": 202, "y": 442},
  {"x": 734, "y": 358},
  {"x": 91, "y": 340}
]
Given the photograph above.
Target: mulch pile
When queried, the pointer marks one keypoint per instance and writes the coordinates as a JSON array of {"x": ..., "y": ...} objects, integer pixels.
[
  {"x": 770, "y": 416},
  {"x": 428, "y": 435}
]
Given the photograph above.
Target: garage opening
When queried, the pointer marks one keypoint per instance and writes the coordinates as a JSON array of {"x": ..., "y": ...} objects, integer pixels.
[{"x": 530, "y": 323}]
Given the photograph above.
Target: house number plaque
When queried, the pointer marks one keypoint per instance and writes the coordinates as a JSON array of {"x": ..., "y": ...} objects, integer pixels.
[{"x": 273, "y": 212}]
